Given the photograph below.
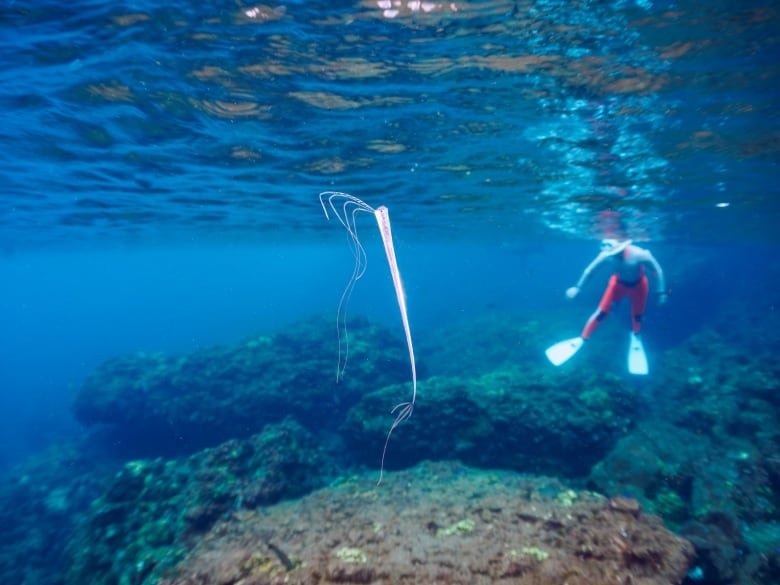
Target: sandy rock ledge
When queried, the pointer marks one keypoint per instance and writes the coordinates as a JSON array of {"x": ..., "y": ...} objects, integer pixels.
[{"x": 440, "y": 523}]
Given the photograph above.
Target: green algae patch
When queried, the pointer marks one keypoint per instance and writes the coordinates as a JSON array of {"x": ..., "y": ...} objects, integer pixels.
[
  {"x": 595, "y": 398},
  {"x": 464, "y": 526},
  {"x": 567, "y": 498},
  {"x": 261, "y": 564},
  {"x": 137, "y": 467},
  {"x": 350, "y": 554},
  {"x": 670, "y": 506},
  {"x": 531, "y": 551}
]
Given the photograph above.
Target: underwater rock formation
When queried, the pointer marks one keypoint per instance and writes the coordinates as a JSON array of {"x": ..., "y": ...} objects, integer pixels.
[
  {"x": 156, "y": 404},
  {"x": 497, "y": 339},
  {"x": 717, "y": 388},
  {"x": 707, "y": 462},
  {"x": 695, "y": 443},
  {"x": 154, "y": 509},
  {"x": 484, "y": 342},
  {"x": 529, "y": 419},
  {"x": 440, "y": 523},
  {"x": 41, "y": 503},
  {"x": 658, "y": 464}
]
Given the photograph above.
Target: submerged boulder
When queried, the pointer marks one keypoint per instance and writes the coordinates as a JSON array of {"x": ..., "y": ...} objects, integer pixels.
[
  {"x": 440, "y": 523},
  {"x": 41, "y": 503},
  {"x": 707, "y": 460},
  {"x": 153, "y": 510},
  {"x": 530, "y": 419},
  {"x": 156, "y": 404}
]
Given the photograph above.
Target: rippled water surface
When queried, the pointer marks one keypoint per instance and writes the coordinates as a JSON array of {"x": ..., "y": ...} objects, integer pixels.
[{"x": 579, "y": 118}]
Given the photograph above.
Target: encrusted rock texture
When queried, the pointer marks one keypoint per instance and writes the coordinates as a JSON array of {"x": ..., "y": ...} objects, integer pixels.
[
  {"x": 440, "y": 523},
  {"x": 157, "y": 404},
  {"x": 41, "y": 503},
  {"x": 153, "y": 510},
  {"x": 519, "y": 418}
]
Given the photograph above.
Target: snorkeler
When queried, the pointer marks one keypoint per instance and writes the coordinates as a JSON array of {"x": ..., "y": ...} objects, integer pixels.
[{"x": 628, "y": 280}]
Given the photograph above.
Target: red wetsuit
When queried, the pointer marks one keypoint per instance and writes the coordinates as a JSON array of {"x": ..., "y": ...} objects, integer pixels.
[{"x": 616, "y": 290}]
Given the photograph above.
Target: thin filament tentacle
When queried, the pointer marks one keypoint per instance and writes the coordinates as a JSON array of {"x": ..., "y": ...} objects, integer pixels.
[
  {"x": 405, "y": 413},
  {"x": 358, "y": 270},
  {"x": 346, "y": 213}
]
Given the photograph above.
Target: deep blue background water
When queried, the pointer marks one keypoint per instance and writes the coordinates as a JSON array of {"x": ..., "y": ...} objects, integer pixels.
[{"x": 161, "y": 166}]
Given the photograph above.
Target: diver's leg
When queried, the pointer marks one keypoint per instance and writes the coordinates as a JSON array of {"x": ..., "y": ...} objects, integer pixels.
[
  {"x": 638, "y": 303},
  {"x": 601, "y": 313}
]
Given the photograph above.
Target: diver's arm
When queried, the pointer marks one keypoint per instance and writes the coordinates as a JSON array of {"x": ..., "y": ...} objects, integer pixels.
[
  {"x": 591, "y": 267},
  {"x": 659, "y": 274},
  {"x": 574, "y": 291}
]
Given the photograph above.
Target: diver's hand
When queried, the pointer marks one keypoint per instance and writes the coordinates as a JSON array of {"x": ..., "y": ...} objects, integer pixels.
[
  {"x": 662, "y": 298},
  {"x": 572, "y": 292}
]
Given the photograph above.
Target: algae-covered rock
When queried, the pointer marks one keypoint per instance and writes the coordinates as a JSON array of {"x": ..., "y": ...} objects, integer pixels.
[
  {"x": 654, "y": 460},
  {"x": 460, "y": 527},
  {"x": 712, "y": 489},
  {"x": 670, "y": 505},
  {"x": 351, "y": 554},
  {"x": 41, "y": 503},
  {"x": 153, "y": 510},
  {"x": 717, "y": 388},
  {"x": 439, "y": 523},
  {"x": 483, "y": 342},
  {"x": 530, "y": 419},
  {"x": 157, "y": 404}
]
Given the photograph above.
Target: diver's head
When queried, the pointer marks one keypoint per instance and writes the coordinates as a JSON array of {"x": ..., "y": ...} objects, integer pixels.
[{"x": 612, "y": 246}]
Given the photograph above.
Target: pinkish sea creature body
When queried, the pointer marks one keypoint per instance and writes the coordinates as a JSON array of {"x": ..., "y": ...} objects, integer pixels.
[{"x": 345, "y": 207}]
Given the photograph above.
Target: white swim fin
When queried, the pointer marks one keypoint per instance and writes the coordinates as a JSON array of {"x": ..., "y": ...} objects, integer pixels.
[
  {"x": 563, "y": 350},
  {"x": 637, "y": 360}
]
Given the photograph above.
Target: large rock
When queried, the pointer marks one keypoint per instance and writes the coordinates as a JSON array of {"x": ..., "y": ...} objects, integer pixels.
[
  {"x": 715, "y": 387},
  {"x": 530, "y": 419},
  {"x": 714, "y": 490},
  {"x": 41, "y": 503},
  {"x": 162, "y": 405},
  {"x": 440, "y": 523},
  {"x": 155, "y": 509}
]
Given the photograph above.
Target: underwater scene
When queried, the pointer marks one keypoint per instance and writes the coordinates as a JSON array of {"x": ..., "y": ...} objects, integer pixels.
[{"x": 390, "y": 292}]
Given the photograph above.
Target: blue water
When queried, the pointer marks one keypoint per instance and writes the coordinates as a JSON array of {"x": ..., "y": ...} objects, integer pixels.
[
  {"x": 161, "y": 164},
  {"x": 130, "y": 121}
]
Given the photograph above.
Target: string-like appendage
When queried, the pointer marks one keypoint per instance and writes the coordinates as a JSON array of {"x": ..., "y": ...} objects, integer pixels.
[
  {"x": 346, "y": 213},
  {"x": 405, "y": 412}
]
